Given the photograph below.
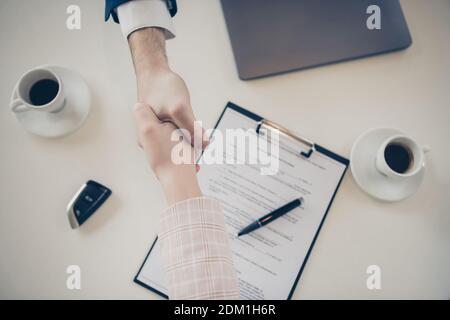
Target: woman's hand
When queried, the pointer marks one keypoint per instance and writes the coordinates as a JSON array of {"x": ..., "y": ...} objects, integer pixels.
[{"x": 179, "y": 181}]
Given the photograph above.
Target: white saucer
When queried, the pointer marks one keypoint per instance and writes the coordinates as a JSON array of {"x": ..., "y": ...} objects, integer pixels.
[
  {"x": 70, "y": 118},
  {"x": 362, "y": 163}
]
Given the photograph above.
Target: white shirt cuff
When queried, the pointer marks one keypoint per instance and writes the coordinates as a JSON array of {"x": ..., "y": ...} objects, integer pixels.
[{"x": 137, "y": 14}]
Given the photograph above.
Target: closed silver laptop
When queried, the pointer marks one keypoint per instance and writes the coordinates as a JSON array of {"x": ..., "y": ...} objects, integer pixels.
[{"x": 275, "y": 36}]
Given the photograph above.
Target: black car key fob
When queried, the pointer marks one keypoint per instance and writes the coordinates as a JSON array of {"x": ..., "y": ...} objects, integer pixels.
[{"x": 85, "y": 202}]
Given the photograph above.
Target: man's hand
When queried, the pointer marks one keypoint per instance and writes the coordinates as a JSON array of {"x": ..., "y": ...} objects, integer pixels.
[
  {"x": 168, "y": 95},
  {"x": 158, "y": 86},
  {"x": 179, "y": 181}
]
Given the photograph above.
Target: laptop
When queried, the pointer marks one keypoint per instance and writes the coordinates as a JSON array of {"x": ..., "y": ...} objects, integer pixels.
[{"x": 275, "y": 36}]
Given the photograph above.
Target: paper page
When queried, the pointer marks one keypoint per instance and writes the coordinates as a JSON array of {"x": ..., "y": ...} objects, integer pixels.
[{"x": 267, "y": 260}]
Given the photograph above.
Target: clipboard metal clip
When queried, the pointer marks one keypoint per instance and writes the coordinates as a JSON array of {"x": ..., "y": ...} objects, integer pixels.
[{"x": 272, "y": 125}]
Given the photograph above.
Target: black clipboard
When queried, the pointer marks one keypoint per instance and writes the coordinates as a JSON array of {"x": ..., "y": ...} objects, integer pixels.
[{"x": 313, "y": 147}]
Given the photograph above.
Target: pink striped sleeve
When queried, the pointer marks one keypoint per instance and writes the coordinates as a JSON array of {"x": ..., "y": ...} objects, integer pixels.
[{"x": 196, "y": 251}]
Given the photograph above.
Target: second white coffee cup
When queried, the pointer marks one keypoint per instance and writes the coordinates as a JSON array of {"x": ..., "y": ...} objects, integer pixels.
[{"x": 412, "y": 157}]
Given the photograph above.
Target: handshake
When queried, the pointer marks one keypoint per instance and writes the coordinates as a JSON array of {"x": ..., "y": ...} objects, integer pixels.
[{"x": 164, "y": 105}]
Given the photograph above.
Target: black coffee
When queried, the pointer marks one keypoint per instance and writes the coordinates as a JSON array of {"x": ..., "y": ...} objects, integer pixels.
[
  {"x": 398, "y": 157},
  {"x": 43, "y": 91}
]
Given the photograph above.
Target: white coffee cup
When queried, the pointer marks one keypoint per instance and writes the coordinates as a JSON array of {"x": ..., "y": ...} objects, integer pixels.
[
  {"x": 416, "y": 154},
  {"x": 23, "y": 101}
]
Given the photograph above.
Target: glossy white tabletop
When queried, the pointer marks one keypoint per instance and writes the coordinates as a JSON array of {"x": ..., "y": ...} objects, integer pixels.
[{"x": 333, "y": 105}]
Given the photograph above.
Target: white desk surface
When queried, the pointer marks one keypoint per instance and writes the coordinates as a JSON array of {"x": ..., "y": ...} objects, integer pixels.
[{"x": 409, "y": 90}]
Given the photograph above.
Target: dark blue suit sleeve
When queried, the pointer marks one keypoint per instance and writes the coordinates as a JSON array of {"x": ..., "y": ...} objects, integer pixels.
[{"x": 110, "y": 5}]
